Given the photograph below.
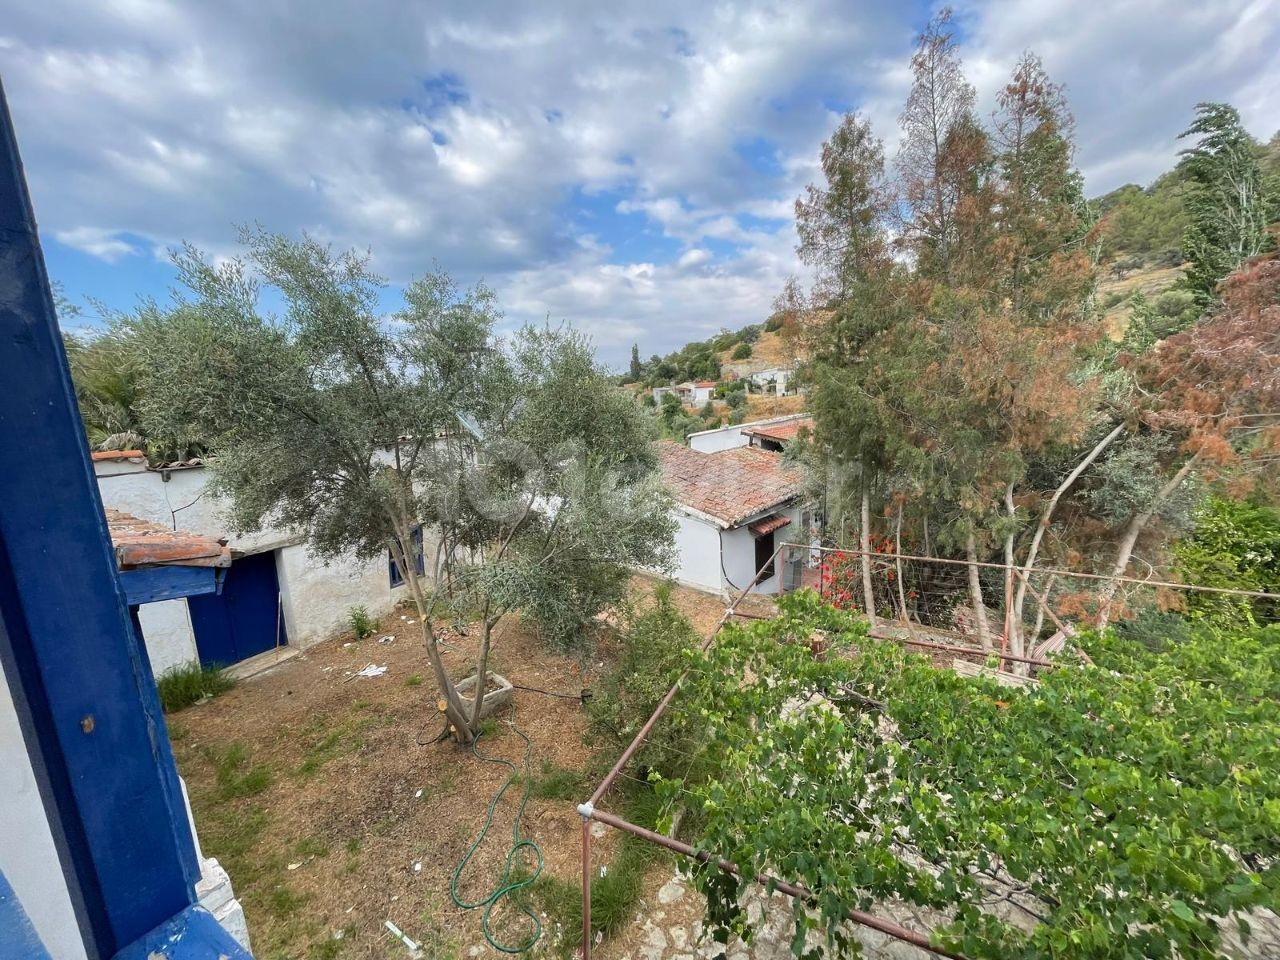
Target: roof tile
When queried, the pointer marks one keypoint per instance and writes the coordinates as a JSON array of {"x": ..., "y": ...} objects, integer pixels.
[
  {"x": 729, "y": 485},
  {"x": 141, "y": 543},
  {"x": 782, "y": 432}
]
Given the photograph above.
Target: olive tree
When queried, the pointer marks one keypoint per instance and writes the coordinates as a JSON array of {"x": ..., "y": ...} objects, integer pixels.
[{"x": 529, "y": 472}]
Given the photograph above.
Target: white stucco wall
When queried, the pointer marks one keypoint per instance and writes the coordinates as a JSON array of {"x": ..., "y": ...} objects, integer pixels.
[
  {"x": 697, "y": 553},
  {"x": 722, "y": 438},
  {"x": 28, "y": 856},
  {"x": 739, "y": 551},
  {"x": 315, "y": 597},
  {"x": 702, "y": 394},
  {"x": 166, "y": 629},
  {"x": 726, "y": 438}
]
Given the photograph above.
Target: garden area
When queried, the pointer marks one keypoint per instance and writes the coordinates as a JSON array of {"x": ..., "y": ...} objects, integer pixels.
[{"x": 321, "y": 792}]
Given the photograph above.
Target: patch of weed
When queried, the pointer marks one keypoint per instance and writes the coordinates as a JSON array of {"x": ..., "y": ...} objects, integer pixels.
[
  {"x": 362, "y": 625},
  {"x": 556, "y": 783},
  {"x": 183, "y": 686},
  {"x": 283, "y": 901},
  {"x": 613, "y": 896},
  {"x": 320, "y": 753},
  {"x": 312, "y": 847},
  {"x": 413, "y": 680},
  {"x": 234, "y": 775}
]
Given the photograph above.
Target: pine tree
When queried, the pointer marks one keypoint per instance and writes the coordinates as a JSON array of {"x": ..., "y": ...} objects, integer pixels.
[
  {"x": 936, "y": 124},
  {"x": 637, "y": 371},
  {"x": 1227, "y": 206}
]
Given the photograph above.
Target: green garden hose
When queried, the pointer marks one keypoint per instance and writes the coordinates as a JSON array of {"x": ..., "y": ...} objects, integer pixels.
[{"x": 506, "y": 886}]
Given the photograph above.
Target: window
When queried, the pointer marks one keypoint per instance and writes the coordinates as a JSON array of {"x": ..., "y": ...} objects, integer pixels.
[
  {"x": 419, "y": 564},
  {"x": 764, "y": 555}
]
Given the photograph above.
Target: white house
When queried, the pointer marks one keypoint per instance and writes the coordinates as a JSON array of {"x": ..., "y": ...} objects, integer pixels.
[
  {"x": 779, "y": 377},
  {"x": 772, "y": 434},
  {"x": 700, "y": 391},
  {"x": 275, "y": 595},
  {"x": 733, "y": 508},
  {"x": 692, "y": 393}
]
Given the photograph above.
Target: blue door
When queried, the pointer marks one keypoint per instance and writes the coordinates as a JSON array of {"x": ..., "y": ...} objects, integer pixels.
[{"x": 245, "y": 618}]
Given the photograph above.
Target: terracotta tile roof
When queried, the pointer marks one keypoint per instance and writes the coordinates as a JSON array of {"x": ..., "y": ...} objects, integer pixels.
[
  {"x": 729, "y": 485},
  {"x": 782, "y": 432},
  {"x": 704, "y": 383},
  {"x": 769, "y": 524},
  {"x": 140, "y": 543},
  {"x": 100, "y": 455}
]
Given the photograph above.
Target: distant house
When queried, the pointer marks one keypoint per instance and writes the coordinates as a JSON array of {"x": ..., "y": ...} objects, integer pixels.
[
  {"x": 775, "y": 379},
  {"x": 275, "y": 595},
  {"x": 733, "y": 509},
  {"x": 693, "y": 393},
  {"x": 773, "y": 434},
  {"x": 701, "y": 391}
]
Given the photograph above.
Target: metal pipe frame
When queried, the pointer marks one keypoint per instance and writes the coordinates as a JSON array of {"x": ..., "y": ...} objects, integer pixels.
[
  {"x": 1226, "y": 591},
  {"x": 887, "y": 927},
  {"x": 588, "y": 812}
]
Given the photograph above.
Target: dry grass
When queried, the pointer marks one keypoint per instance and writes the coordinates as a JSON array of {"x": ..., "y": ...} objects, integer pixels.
[
  {"x": 1151, "y": 282},
  {"x": 317, "y": 795}
]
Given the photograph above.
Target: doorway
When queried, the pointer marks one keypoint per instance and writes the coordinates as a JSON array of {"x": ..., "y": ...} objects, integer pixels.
[{"x": 245, "y": 618}]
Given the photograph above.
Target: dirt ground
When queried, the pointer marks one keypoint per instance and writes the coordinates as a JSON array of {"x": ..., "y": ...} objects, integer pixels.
[{"x": 320, "y": 792}]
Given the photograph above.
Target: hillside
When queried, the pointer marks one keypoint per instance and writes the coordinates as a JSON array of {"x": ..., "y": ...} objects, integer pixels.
[{"x": 1117, "y": 289}]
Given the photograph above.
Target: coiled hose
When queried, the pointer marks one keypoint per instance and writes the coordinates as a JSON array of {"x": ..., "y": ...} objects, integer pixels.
[{"x": 506, "y": 886}]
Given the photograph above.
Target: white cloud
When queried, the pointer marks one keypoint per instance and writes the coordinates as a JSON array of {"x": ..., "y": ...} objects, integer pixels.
[
  {"x": 104, "y": 244},
  {"x": 479, "y": 135}
]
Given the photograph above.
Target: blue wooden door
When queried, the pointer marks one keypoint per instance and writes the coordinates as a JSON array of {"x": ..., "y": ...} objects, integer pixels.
[{"x": 244, "y": 618}]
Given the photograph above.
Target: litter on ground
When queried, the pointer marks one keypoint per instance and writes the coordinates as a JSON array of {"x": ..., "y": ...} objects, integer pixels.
[{"x": 372, "y": 670}]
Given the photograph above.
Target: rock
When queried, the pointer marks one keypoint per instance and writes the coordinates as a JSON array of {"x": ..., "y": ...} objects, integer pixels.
[
  {"x": 670, "y": 892},
  {"x": 657, "y": 938},
  {"x": 598, "y": 830},
  {"x": 476, "y": 951},
  {"x": 679, "y": 937}
]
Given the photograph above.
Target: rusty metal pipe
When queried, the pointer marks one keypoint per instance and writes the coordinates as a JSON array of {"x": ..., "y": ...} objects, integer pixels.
[
  {"x": 888, "y": 927},
  {"x": 1227, "y": 591},
  {"x": 665, "y": 702},
  {"x": 955, "y": 648},
  {"x": 586, "y": 889}
]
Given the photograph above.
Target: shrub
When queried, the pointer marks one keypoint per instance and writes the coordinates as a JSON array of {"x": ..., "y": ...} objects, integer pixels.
[
  {"x": 774, "y": 323},
  {"x": 1133, "y": 801},
  {"x": 654, "y": 643},
  {"x": 183, "y": 686},
  {"x": 1235, "y": 545},
  {"x": 742, "y": 351},
  {"x": 737, "y": 399},
  {"x": 362, "y": 625},
  {"x": 708, "y": 410}
]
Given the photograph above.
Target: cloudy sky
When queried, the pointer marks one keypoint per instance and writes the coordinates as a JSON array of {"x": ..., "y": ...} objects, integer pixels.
[{"x": 627, "y": 167}]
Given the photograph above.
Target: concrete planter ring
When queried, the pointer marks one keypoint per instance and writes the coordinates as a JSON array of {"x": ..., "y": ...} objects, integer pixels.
[{"x": 498, "y": 696}]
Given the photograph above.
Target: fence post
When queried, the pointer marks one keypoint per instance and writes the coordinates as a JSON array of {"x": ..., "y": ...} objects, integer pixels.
[{"x": 586, "y": 888}]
